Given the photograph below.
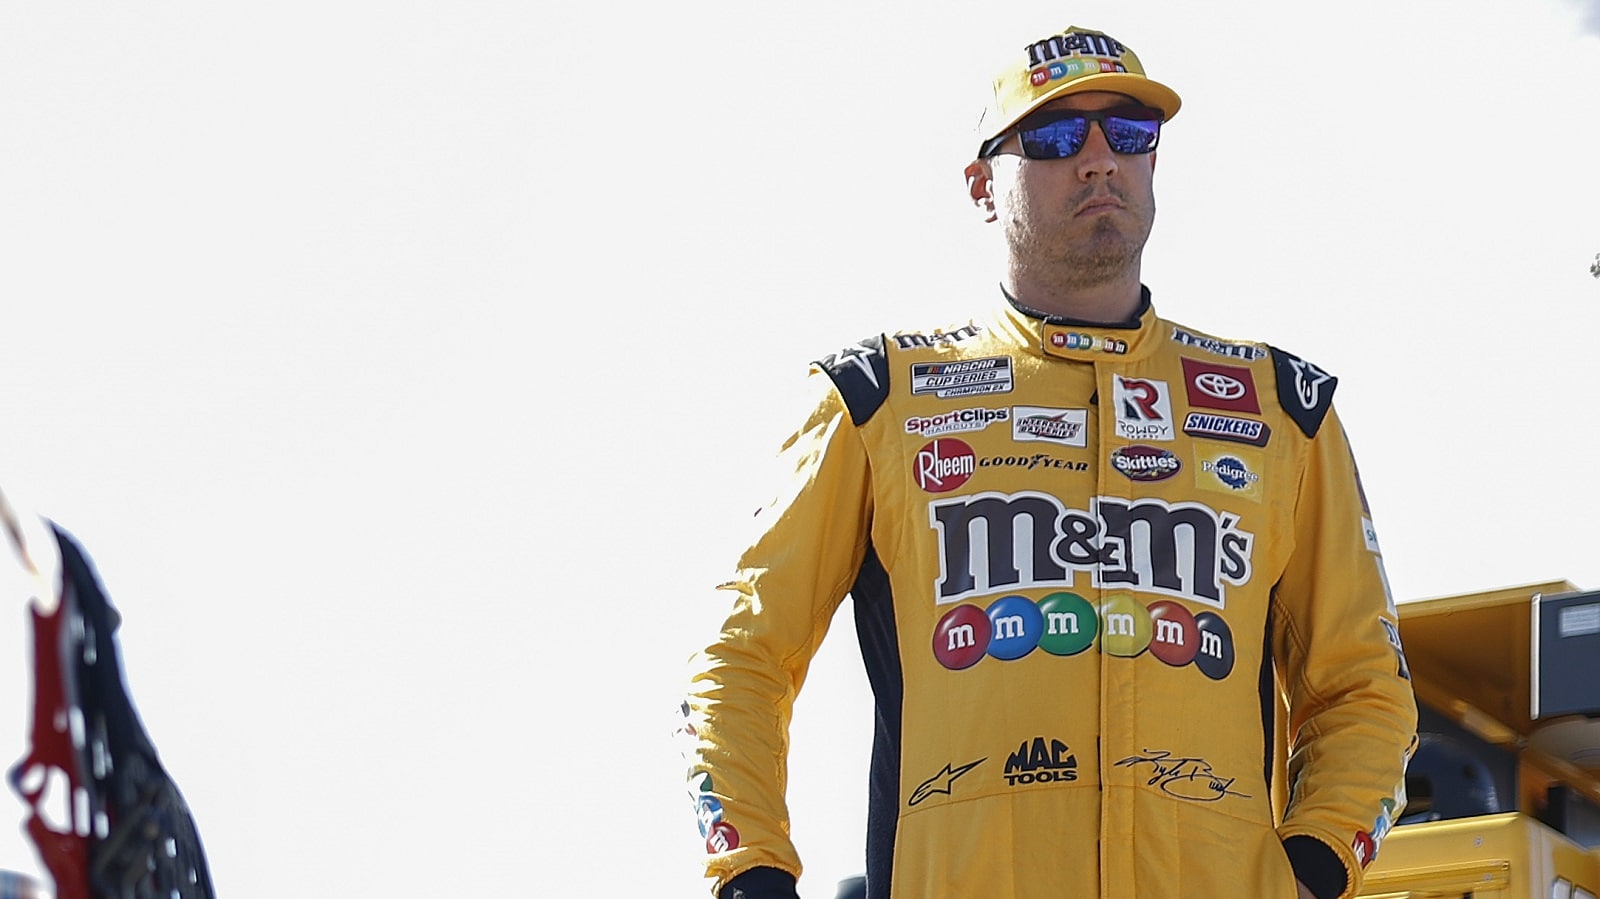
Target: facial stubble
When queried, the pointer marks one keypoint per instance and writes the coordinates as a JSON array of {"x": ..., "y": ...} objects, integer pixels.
[{"x": 1057, "y": 256}]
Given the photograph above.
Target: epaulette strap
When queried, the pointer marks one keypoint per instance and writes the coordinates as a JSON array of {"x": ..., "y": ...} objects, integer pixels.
[
  {"x": 861, "y": 374},
  {"x": 1304, "y": 390}
]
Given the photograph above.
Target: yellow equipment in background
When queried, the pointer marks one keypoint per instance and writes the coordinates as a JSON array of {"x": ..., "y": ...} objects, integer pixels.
[{"x": 1504, "y": 790}]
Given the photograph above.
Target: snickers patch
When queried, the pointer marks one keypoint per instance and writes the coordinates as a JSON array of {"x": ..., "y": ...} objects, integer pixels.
[{"x": 1227, "y": 427}]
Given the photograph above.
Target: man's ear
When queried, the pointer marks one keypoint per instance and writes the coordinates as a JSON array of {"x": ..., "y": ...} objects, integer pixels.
[{"x": 980, "y": 187}]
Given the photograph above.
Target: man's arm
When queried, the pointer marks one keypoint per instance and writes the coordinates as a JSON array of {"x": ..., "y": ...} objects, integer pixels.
[
  {"x": 1352, "y": 716},
  {"x": 810, "y": 542}
]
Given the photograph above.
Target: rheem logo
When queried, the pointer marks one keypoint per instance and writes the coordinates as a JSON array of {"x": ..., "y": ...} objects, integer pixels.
[{"x": 943, "y": 465}]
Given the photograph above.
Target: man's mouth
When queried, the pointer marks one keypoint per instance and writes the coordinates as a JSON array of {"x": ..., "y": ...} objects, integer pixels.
[{"x": 1095, "y": 205}]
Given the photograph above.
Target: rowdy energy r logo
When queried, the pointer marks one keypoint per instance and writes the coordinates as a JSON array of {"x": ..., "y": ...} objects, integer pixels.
[
  {"x": 1065, "y": 624},
  {"x": 992, "y": 542},
  {"x": 1144, "y": 408}
]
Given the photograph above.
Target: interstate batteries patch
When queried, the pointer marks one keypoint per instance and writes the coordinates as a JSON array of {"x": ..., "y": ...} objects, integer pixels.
[{"x": 969, "y": 377}]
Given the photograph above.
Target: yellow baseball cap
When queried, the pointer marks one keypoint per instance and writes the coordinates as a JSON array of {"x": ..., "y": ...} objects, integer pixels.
[{"x": 1072, "y": 62}]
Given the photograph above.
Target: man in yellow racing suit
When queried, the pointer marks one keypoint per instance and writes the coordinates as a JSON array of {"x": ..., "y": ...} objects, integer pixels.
[{"x": 1117, "y": 589}]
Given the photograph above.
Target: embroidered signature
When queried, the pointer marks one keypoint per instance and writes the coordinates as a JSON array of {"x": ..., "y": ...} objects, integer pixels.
[{"x": 1184, "y": 778}]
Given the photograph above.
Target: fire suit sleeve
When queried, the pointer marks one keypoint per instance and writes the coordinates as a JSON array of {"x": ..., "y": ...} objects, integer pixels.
[
  {"x": 1352, "y": 716},
  {"x": 810, "y": 542}
]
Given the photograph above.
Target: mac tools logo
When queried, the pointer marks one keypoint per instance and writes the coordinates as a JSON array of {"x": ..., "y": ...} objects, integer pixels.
[
  {"x": 996, "y": 542},
  {"x": 1041, "y": 761}
]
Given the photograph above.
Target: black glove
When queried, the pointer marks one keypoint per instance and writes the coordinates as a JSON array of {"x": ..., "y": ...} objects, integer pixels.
[
  {"x": 1316, "y": 866},
  {"x": 760, "y": 883}
]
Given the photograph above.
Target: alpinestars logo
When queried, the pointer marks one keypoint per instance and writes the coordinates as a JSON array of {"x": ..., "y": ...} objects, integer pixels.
[
  {"x": 1308, "y": 381},
  {"x": 942, "y": 782},
  {"x": 861, "y": 356},
  {"x": 1037, "y": 761},
  {"x": 994, "y": 542}
]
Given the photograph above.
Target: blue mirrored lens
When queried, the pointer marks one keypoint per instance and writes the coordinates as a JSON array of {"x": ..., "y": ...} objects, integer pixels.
[
  {"x": 1055, "y": 140},
  {"x": 1131, "y": 135},
  {"x": 1064, "y": 135}
]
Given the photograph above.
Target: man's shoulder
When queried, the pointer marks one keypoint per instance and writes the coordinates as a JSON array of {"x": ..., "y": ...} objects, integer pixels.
[
  {"x": 863, "y": 374},
  {"x": 1304, "y": 390}
]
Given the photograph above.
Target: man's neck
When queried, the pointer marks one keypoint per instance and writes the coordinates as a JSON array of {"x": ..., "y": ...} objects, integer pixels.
[{"x": 1109, "y": 302}]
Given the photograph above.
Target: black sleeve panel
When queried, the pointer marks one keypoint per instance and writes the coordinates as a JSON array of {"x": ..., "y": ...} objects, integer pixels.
[
  {"x": 880, "y": 651},
  {"x": 1304, "y": 390},
  {"x": 861, "y": 373}
]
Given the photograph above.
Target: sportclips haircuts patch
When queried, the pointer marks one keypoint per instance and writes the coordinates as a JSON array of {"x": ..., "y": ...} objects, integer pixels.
[{"x": 995, "y": 542}]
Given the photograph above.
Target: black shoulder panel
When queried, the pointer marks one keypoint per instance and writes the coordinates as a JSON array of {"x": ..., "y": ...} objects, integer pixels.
[
  {"x": 1305, "y": 390},
  {"x": 861, "y": 373}
]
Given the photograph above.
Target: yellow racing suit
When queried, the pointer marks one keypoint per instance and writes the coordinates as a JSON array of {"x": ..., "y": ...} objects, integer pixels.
[{"x": 1115, "y": 587}]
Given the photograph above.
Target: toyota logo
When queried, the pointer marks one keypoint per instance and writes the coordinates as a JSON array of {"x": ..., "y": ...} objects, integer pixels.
[{"x": 1219, "y": 386}]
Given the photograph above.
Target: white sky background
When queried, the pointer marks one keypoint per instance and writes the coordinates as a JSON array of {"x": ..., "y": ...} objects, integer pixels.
[{"x": 408, "y": 368}]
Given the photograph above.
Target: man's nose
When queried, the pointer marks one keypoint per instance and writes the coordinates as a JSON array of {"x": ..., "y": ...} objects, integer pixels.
[{"x": 1096, "y": 157}]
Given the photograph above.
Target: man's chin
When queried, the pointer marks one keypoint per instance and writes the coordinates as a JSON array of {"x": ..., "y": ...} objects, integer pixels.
[{"x": 1104, "y": 262}]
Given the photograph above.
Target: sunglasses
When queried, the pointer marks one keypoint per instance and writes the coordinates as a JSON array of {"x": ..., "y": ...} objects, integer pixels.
[{"x": 1059, "y": 134}]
